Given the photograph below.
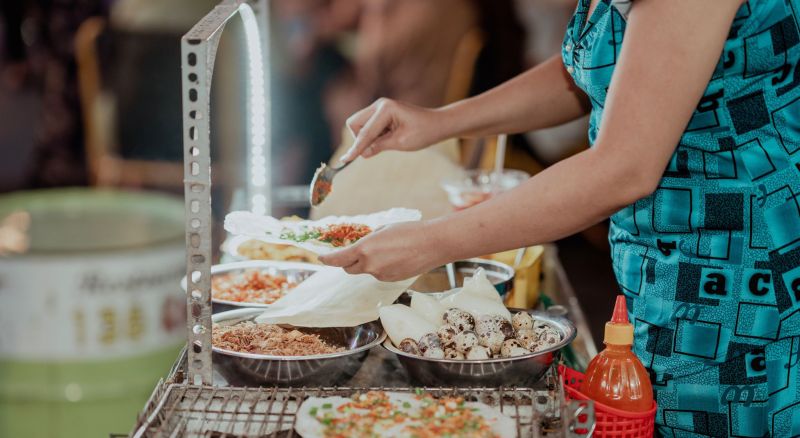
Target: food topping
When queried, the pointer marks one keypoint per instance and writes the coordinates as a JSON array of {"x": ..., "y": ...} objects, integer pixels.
[
  {"x": 370, "y": 414},
  {"x": 250, "y": 286},
  {"x": 268, "y": 339},
  {"x": 336, "y": 235},
  {"x": 322, "y": 188},
  {"x": 343, "y": 234}
]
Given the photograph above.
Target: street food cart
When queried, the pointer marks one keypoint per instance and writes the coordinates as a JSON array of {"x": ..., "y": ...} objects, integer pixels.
[{"x": 202, "y": 397}]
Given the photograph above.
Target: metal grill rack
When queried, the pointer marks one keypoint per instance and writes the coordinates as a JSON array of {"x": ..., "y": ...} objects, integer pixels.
[
  {"x": 181, "y": 410},
  {"x": 194, "y": 400}
]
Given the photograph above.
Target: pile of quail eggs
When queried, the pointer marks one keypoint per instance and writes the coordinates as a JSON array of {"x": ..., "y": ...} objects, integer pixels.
[{"x": 466, "y": 337}]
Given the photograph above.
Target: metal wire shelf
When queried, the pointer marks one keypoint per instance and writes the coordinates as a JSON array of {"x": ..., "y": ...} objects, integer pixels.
[{"x": 207, "y": 411}]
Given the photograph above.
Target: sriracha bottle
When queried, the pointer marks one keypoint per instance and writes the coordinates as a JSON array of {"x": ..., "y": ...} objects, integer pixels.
[{"x": 616, "y": 377}]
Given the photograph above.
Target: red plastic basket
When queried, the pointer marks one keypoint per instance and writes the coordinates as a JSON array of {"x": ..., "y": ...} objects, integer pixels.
[{"x": 609, "y": 422}]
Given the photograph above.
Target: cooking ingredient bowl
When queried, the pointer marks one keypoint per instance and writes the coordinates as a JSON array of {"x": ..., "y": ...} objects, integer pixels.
[
  {"x": 318, "y": 370},
  {"x": 525, "y": 370}
]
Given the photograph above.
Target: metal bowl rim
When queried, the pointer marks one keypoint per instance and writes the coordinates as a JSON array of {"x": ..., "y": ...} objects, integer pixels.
[
  {"x": 238, "y": 313},
  {"x": 223, "y": 268},
  {"x": 506, "y": 269},
  {"x": 569, "y": 336}
]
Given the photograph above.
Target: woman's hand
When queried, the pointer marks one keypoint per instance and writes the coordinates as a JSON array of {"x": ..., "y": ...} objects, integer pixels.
[
  {"x": 391, "y": 125},
  {"x": 393, "y": 253}
]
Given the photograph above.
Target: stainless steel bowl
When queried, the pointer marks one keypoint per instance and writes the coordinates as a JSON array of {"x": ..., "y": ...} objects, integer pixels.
[
  {"x": 436, "y": 282},
  {"x": 513, "y": 371},
  {"x": 319, "y": 370},
  {"x": 295, "y": 273}
]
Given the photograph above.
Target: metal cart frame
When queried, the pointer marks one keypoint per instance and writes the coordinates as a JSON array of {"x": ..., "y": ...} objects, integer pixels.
[{"x": 193, "y": 378}]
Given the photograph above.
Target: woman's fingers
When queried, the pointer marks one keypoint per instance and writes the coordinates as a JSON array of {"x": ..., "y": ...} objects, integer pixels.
[
  {"x": 379, "y": 121},
  {"x": 359, "y": 119},
  {"x": 342, "y": 258}
]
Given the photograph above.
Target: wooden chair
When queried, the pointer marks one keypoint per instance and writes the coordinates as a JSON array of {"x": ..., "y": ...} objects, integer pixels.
[{"x": 106, "y": 166}]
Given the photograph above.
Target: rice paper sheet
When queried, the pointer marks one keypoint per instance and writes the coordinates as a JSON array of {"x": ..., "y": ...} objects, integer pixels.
[
  {"x": 333, "y": 298},
  {"x": 311, "y": 417},
  {"x": 272, "y": 230}
]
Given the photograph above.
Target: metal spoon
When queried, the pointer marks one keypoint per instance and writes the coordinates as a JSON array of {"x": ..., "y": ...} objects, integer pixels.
[{"x": 322, "y": 183}]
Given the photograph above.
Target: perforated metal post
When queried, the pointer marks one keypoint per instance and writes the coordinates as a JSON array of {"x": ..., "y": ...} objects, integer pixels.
[{"x": 198, "y": 52}]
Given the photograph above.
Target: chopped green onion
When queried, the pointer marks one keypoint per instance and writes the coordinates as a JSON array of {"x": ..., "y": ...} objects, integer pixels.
[
  {"x": 313, "y": 412},
  {"x": 407, "y": 405},
  {"x": 327, "y": 406}
]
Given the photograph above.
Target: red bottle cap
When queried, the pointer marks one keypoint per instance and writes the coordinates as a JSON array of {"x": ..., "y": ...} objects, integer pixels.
[{"x": 620, "y": 315}]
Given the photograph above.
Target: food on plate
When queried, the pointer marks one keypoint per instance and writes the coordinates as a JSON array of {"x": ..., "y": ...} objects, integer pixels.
[
  {"x": 258, "y": 250},
  {"x": 270, "y": 340},
  {"x": 321, "y": 236},
  {"x": 336, "y": 235},
  {"x": 466, "y": 329},
  {"x": 389, "y": 414},
  {"x": 249, "y": 286}
]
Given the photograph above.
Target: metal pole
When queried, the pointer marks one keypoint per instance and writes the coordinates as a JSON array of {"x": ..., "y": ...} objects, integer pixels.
[{"x": 198, "y": 52}]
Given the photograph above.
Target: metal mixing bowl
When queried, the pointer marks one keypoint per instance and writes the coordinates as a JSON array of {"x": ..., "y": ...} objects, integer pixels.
[
  {"x": 436, "y": 283},
  {"x": 318, "y": 370},
  {"x": 523, "y": 370},
  {"x": 295, "y": 273}
]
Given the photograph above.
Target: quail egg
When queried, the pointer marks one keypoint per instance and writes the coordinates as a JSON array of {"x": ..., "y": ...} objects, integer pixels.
[
  {"x": 548, "y": 336},
  {"x": 428, "y": 342},
  {"x": 486, "y": 323},
  {"x": 511, "y": 348},
  {"x": 527, "y": 337},
  {"x": 409, "y": 346},
  {"x": 459, "y": 319},
  {"x": 493, "y": 340},
  {"x": 466, "y": 340},
  {"x": 452, "y": 353},
  {"x": 507, "y": 329},
  {"x": 478, "y": 352},
  {"x": 434, "y": 353},
  {"x": 522, "y": 320},
  {"x": 447, "y": 334}
]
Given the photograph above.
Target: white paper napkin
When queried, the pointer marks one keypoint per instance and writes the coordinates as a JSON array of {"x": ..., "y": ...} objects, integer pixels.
[{"x": 334, "y": 298}]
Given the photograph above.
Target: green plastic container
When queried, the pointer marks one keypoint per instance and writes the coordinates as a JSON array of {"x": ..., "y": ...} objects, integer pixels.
[{"x": 91, "y": 313}]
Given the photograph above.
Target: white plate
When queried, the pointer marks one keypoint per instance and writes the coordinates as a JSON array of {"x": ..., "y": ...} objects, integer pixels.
[
  {"x": 269, "y": 229},
  {"x": 264, "y": 265}
]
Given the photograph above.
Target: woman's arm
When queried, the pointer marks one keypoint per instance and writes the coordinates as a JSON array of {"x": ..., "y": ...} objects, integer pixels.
[
  {"x": 669, "y": 53},
  {"x": 541, "y": 97}
]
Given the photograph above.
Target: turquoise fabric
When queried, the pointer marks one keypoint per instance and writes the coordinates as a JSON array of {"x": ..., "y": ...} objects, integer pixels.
[{"x": 710, "y": 262}]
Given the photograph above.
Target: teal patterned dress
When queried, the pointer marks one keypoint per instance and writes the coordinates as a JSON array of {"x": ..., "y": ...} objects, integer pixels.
[{"x": 710, "y": 262}]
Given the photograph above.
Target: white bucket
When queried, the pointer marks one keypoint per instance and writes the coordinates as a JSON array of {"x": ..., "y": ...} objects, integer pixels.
[{"x": 91, "y": 313}]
